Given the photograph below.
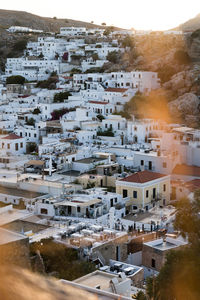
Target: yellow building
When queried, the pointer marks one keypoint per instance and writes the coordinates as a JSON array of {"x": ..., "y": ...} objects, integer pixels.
[{"x": 144, "y": 189}]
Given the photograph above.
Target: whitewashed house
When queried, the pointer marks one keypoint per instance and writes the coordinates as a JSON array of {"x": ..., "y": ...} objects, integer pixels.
[{"x": 12, "y": 144}]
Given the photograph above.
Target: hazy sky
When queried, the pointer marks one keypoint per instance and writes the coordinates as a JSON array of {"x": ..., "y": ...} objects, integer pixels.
[{"x": 139, "y": 14}]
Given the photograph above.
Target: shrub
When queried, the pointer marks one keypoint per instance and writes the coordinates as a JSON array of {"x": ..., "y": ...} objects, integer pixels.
[
  {"x": 100, "y": 117},
  {"x": 50, "y": 83},
  {"x": 20, "y": 45},
  {"x": 60, "y": 97},
  {"x": 58, "y": 113},
  {"x": 30, "y": 122},
  {"x": 113, "y": 57},
  {"x": 31, "y": 147},
  {"x": 75, "y": 71},
  {"x": 105, "y": 133},
  {"x": 15, "y": 80},
  {"x": 36, "y": 111}
]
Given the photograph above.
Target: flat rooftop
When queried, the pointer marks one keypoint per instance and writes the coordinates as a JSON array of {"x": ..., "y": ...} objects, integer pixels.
[
  {"x": 7, "y": 236},
  {"x": 95, "y": 279},
  {"x": 71, "y": 173},
  {"x": 19, "y": 193},
  {"x": 164, "y": 245},
  {"x": 155, "y": 214},
  {"x": 89, "y": 160},
  {"x": 12, "y": 215}
]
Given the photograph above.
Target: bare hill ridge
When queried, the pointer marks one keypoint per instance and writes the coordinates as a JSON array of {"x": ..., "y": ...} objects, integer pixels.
[
  {"x": 21, "y": 18},
  {"x": 191, "y": 25}
]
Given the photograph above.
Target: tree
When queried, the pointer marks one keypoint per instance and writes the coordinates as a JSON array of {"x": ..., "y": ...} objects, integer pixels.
[
  {"x": 60, "y": 97},
  {"x": 36, "y": 111},
  {"x": 100, "y": 117},
  {"x": 15, "y": 80},
  {"x": 50, "y": 83},
  {"x": 140, "y": 296},
  {"x": 30, "y": 122},
  {"x": 103, "y": 24},
  {"x": 113, "y": 57},
  {"x": 41, "y": 55},
  {"x": 31, "y": 147}
]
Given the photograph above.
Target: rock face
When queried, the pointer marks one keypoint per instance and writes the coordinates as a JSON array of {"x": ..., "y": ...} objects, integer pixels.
[
  {"x": 181, "y": 82},
  {"x": 190, "y": 25},
  {"x": 186, "y": 108},
  {"x": 193, "y": 45}
]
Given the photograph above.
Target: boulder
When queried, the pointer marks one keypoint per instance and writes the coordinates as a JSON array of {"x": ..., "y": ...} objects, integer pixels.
[{"x": 185, "y": 105}]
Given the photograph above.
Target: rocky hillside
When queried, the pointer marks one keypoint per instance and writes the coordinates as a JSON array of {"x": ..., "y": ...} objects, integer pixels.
[
  {"x": 190, "y": 25},
  {"x": 20, "y": 18}
]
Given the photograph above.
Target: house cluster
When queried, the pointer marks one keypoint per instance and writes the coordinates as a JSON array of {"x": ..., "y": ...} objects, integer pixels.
[
  {"x": 75, "y": 169},
  {"x": 61, "y": 54}
]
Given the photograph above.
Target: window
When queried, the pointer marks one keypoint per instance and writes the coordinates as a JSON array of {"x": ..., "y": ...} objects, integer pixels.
[
  {"x": 154, "y": 193},
  {"x": 135, "y": 194},
  {"x": 21, "y": 145},
  {"x": 164, "y": 188},
  {"x": 164, "y": 165},
  {"x": 2, "y": 145},
  {"x": 147, "y": 194},
  {"x": 125, "y": 193},
  {"x": 16, "y": 147},
  {"x": 78, "y": 209},
  {"x": 142, "y": 162},
  {"x": 115, "y": 200},
  {"x": 44, "y": 211},
  {"x": 8, "y": 146},
  {"x": 153, "y": 263}
]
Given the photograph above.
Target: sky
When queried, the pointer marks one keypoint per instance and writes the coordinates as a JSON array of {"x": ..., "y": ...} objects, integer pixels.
[{"x": 138, "y": 14}]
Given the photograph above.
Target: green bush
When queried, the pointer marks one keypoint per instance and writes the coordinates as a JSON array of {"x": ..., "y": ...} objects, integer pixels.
[
  {"x": 36, "y": 111},
  {"x": 49, "y": 84},
  {"x": 30, "y": 122},
  {"x": 60, "y": 97},
  {"x": 113, "y": 57},
  {"x": 15, "y": 80},
  {"x": 105, "y": 133}
]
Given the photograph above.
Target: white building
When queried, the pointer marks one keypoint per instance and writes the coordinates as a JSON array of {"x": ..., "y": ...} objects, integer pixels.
[{"x": 12, "y": 144}]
